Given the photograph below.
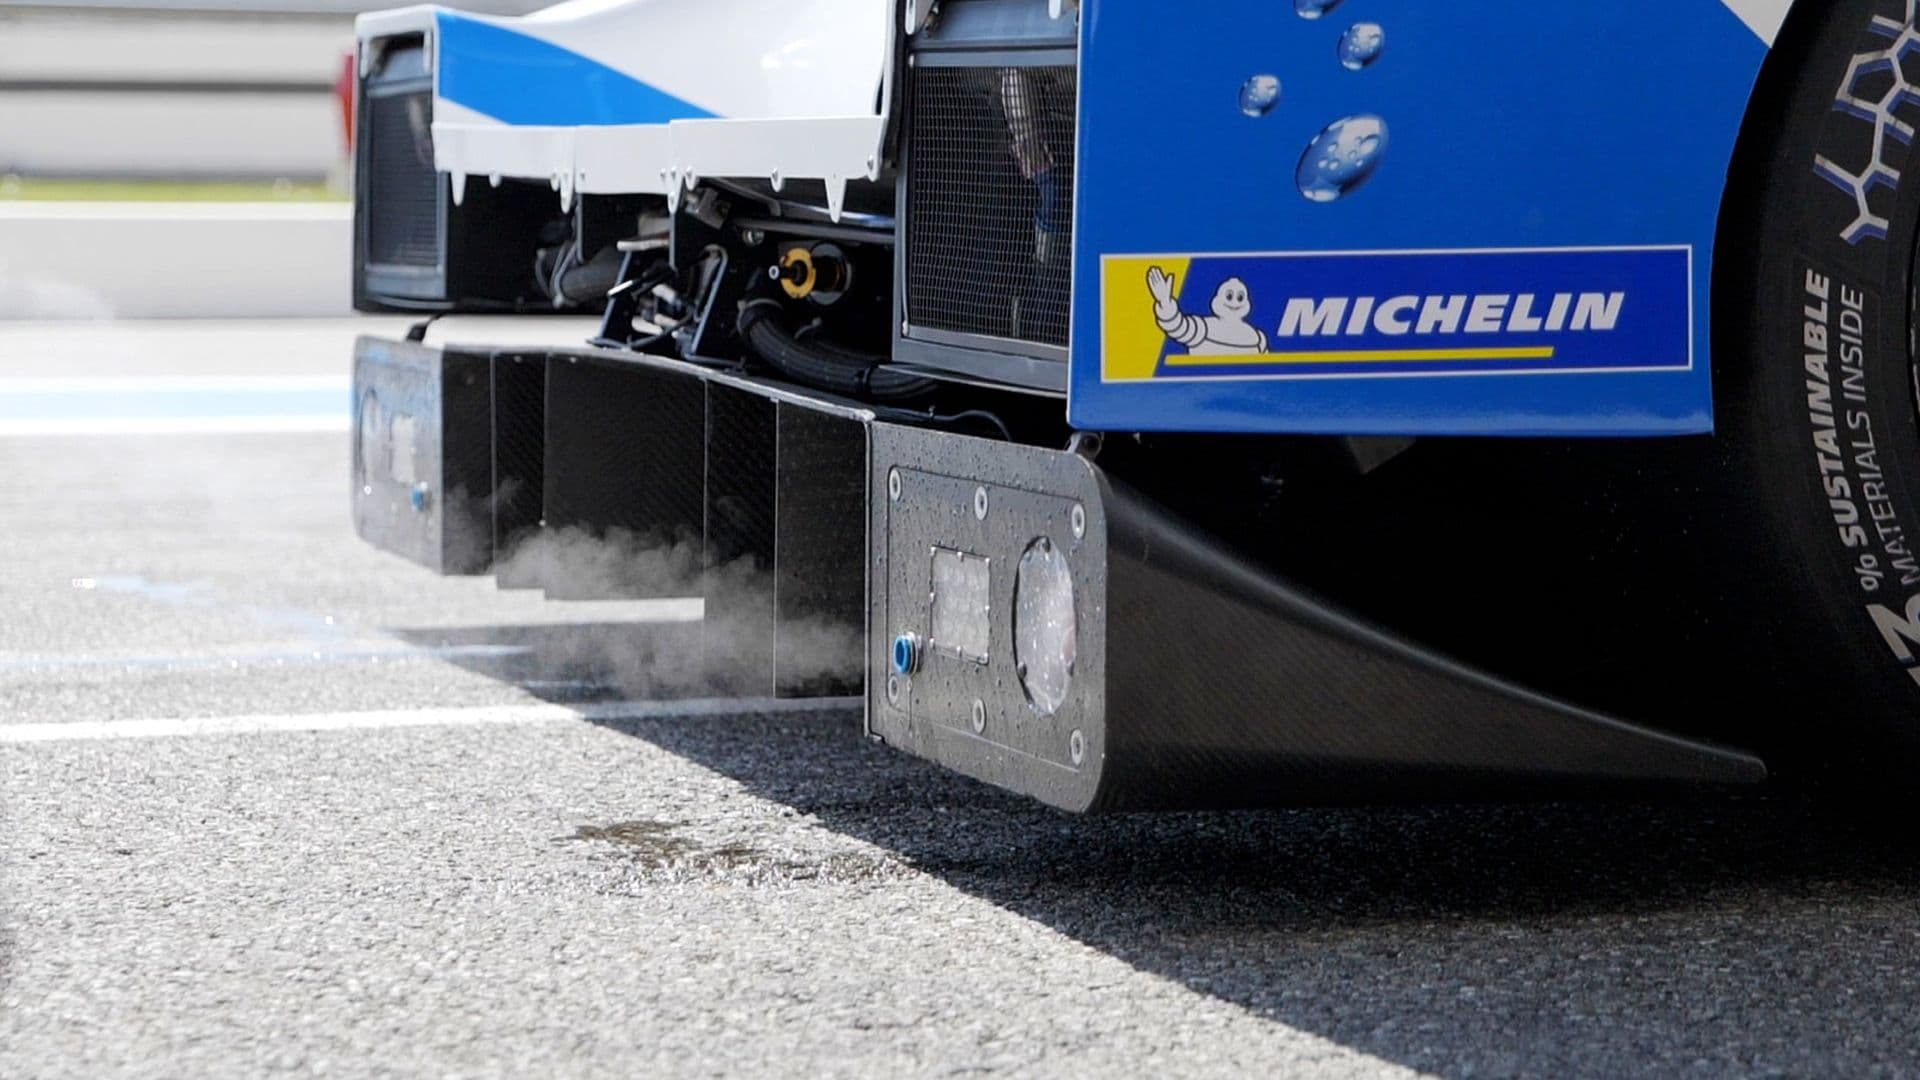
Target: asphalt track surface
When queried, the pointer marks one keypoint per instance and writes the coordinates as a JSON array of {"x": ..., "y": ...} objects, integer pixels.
[{"x": 277, "y": 803}]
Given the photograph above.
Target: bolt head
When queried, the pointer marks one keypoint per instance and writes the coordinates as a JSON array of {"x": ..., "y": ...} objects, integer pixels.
[
  {"x": 1079, "y": 518},
  {"x": 980, "y": 503},
  {"x": 894, "y": 484},
  {"x": 1077, "y": 747},
  {"x": 979, "y": 716}
]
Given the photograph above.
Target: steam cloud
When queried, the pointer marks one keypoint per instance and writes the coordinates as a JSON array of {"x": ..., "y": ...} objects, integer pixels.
[{"x": 730, "y": 652}]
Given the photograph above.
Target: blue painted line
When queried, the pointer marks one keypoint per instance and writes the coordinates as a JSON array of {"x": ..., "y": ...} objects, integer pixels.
[{"x": 518, "y": 79}]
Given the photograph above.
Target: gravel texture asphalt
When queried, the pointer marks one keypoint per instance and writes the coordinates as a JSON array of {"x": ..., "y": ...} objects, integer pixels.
[{"x": 743, "y": 890}]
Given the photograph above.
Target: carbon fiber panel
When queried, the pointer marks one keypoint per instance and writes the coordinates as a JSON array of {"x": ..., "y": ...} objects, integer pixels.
[
  {"x": 624, "y": 459},
  {"x": 738, "y": 633},
  {"x": 820, "y": 553},
  {"x": 1240, "y": 690},
  {"x": 1198, "y": 680},
  {"x": 519, "y": 453}
]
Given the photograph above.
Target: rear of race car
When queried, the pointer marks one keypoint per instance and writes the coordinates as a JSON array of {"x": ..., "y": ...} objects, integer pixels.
[{"x": 1236, "y": 405}]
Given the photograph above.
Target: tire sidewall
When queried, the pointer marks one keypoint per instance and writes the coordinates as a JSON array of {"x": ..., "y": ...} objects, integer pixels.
[{"x": 1817, "y": 396}]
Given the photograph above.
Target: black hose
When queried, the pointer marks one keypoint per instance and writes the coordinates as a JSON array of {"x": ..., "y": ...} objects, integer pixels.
[
  {"x": 418, "y": 332},
  {"x": 829, "y": 368},
  {"x": 981, "y": 415},
  {"x": 586, "y": 282}
]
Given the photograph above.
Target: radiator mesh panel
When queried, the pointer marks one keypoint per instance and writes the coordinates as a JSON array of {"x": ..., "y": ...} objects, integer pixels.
[
  {"x": 990, "y": 201},
  {"x": 403, "y": 227}
]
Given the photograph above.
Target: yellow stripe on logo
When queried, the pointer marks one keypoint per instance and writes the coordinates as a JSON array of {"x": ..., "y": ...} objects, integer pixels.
[
  {"x": 1132, "y": 341},
  {"x": 1364, "y": 356}
]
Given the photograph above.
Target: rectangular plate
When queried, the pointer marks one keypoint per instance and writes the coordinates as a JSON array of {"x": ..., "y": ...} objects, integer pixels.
[
  {"x": 962, "y": 609},
  {"x": 422, "y": 446},
  {"x": 930, "y": 539}
]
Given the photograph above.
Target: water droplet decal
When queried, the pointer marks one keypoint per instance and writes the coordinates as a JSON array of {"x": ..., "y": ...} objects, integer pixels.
[
  {"x": 1313, "y": 9},
  {"x": 1361, "y": 45},
  {"x": 1342, "y": 157},
  {"x": 1259, "y": 95}
]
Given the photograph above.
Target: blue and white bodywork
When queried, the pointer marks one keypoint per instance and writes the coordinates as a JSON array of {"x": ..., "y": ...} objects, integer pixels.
[
  {"x": 1301, "y": 216},
  {"x": 898, "y": 297},
  {"x": 1397, "y": 217},
  {"x": 646, "y": 96}
]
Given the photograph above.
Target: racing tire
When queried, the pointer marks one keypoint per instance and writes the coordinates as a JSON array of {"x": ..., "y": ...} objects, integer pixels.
[{"x": 1818, "y": 444}]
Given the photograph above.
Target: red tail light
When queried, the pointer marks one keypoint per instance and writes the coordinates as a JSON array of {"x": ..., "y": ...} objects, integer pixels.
[{"x": 343, "y": 88}]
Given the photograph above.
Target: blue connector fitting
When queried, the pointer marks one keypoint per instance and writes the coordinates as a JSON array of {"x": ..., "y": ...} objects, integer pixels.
[{"x": 906, "y": 654}]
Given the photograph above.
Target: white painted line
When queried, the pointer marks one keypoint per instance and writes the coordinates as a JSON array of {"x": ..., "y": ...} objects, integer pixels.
[
  {"x": 177, "y": 425},
  {"x": 691, "y": 707},
  {"x": 473, "y": 716},
  {"x": 559, "y": 614}
]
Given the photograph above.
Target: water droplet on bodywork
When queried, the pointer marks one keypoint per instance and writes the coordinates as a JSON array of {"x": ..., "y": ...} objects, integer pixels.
[
  {"x": 1361, "y": 45},
  {"x": 1259, "y": 95},
  {"x": 1342, "y": 157}
]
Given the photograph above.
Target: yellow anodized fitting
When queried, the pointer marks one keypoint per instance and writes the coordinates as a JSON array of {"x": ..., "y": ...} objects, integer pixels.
[{"x": 797, "y": 274}]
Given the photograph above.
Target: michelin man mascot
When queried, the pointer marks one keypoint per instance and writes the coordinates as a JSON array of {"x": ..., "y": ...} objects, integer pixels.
[{"x": 1225, "y": 333}]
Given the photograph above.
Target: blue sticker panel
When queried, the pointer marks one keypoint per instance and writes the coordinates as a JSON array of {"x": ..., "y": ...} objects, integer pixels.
[
  {"x": 1393, "y": 315},
  {"x": 518, "y": 79},
  {"x": 1527, "y": 148}
]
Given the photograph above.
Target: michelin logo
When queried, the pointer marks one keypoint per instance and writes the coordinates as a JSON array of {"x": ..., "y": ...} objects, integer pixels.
[
  {"x": 1224, "y": 332},
  {"x": 1375, "y": 314},
  {"x": 1227, "y": 331}
]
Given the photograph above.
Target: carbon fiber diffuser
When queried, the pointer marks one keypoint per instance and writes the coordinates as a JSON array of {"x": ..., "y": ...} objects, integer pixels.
[{"x": 1196, "y": 679}]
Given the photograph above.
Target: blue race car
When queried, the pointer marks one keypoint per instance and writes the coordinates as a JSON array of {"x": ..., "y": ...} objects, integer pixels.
[{"x": 1223, "y": 404}]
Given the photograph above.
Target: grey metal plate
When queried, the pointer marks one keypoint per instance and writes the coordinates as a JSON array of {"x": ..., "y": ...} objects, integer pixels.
[
  {"x": 422, "y": 468},
  {"x": 1029, "y": 493}
]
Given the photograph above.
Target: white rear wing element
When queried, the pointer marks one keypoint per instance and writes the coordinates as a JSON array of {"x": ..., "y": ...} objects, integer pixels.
[{"x": 773, "y": 90}]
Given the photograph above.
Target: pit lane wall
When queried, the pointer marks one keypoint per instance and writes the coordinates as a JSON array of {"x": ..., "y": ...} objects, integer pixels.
[{"x": 174, "y": 260}]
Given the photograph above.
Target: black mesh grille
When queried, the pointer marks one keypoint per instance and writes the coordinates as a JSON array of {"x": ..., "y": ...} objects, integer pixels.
[
  {"x": 403, "y": 226},
  {"x": 990, "y": 201}
]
